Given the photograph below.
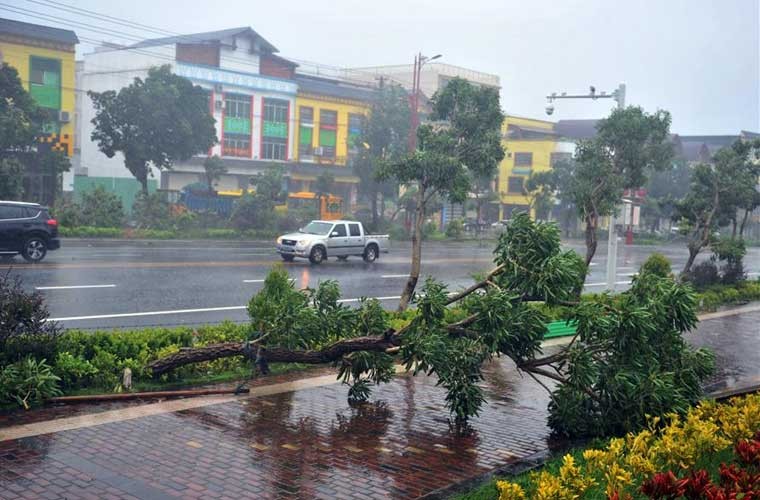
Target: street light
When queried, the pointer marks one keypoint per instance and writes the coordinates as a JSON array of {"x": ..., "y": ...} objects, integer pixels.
[
  {"x": 419, "y": 61},
  {"x": 619, "y": 96}
]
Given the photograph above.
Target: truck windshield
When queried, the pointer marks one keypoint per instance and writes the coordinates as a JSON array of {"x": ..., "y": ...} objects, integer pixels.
[{"x": 319, "y": 228}]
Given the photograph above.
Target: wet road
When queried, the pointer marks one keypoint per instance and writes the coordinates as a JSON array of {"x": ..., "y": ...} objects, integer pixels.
[{"x": 111, "y": 284}]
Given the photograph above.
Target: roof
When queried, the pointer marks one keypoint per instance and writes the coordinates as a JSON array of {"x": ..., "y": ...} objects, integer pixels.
[
  {"x": 333, "y": 88},
  {"x": 208, "y": 36},
  {"x": 577, "y": 129},
  {"x": 517, "y": 132},
  {"x": 37, "y": 32},
  {"x": 694, "y": 151}
]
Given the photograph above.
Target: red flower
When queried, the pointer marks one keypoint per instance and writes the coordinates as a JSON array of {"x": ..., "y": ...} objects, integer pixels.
[
  {"x": 748, "y": 452},
  {"x": 662, "y": 485},
  {"x": 695, "y": 485}
]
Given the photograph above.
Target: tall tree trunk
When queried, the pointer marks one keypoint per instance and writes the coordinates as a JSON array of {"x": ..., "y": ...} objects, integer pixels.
[
  {"x": 373, "y": 207},
  {"x": 733, "y": 228},
  {"x": 414, "y": 273},
  {"x": 592, "y": 220},
  {"x": 693, "y": 252},
  {"x": 382, "y": 206},
  {"x": 704, "y": 235},
  {"x": 744, "y": 223}
]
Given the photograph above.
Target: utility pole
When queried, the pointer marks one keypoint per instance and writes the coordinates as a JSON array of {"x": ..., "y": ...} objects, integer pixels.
[
  {"x": 619, "y": 96},
  {"x": 414, "y": 98}
]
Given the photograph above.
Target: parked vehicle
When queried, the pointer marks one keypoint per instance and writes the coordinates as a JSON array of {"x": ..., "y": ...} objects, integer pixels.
[
  {"x": 321, "y": 239},
  {"x": 26, "y": 229}
]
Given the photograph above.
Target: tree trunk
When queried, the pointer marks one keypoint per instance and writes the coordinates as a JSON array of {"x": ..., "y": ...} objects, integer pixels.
[
  {"x": 744, "y": 223},
  {"x": 693, "y": 252},
  {"x": 733, "y": 228},
  {"x": 382, "y": 206},
  {"x": 414, "y": 273},
  {"x": 373, "y": 204},
  {"x": 591, "y": 239},
  {"x": 333, "y": 352}
]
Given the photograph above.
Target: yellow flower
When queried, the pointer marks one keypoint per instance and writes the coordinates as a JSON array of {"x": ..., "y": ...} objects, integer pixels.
[
  {"x": 617, "y": 479},
  {"x": 510, "y": 491}
]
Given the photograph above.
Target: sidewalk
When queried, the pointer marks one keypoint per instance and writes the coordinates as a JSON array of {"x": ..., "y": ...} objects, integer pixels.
[{"x": 306, "y": 442}]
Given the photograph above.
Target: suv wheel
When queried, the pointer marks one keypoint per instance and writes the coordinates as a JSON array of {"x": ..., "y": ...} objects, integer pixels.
[
  {"x": 317, "y": 255},
  {"x": 34, "y": 249},
  {"x": 370, "y": 253}
]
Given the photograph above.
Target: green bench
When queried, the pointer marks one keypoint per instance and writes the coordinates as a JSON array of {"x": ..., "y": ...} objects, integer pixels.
[{"x": 559, "y": 329}]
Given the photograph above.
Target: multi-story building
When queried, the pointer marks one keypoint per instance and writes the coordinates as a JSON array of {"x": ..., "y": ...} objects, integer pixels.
[
  {"x": 266, "y": 113},
  {"x": 531, "y": 146},
  {"x": 44, "y": 59}
]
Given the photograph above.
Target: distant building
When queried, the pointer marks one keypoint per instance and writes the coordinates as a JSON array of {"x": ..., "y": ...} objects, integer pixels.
[
  {"x": 266, "y": 112},
  {"x": 44, "y": 59}
]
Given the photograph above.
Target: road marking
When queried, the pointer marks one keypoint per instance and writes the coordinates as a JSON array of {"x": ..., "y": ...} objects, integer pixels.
[
  {"x": 149, "y": 313},
  {"x": 626, "y": 274},
  {"x": 346, "y": 301},
  {"x": 605, "y": 284},
  {"x": 72, "y": 287},
  {"x": 388, "y": 276},
  {"x": 261, "y": 280}
]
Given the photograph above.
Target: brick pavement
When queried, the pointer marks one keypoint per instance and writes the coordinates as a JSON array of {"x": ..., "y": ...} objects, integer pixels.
[{"x": 310, "y": 443}]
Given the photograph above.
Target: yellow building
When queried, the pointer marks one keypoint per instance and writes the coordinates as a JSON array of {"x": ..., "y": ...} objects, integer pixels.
[
  {"x": 531, "y": 146},
  {"x": 329, "y": 116},
  {"x": 44, "y": 59}
]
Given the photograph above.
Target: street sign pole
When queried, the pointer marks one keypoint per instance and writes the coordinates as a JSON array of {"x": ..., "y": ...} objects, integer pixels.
[{"x": 612, "y": 235}]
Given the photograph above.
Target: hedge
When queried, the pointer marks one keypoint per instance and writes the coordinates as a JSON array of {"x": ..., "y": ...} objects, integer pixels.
[{"x": 163, "y": 234}]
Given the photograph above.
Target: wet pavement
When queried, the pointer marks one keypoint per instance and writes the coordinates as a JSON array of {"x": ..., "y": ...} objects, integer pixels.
[
  {"x": 311, "y": 444},
  {"x": 112, "y": 284}
]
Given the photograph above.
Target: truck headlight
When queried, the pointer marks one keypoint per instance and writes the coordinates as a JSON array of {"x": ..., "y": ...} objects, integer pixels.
[
  {"x": 302, "y": 243},
  {"x": 279, "y": 240}
]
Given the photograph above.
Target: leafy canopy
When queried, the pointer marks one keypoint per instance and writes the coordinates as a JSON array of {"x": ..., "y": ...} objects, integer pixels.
[{"x": 153, "y": 122}]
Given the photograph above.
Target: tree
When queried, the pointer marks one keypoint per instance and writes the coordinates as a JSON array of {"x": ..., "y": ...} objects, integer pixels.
[
  {"x": 555, "y": 185},
  {"x": 21, "y": 123},
  {"x": 268, "y": 184},
  {"x": 663, "y": 189},
  {"x": 629, "y": 144},
  {"x": 716, "y": 192},
  {"x": 213, "y": 169},
  {"x": 323, "y": 188},
  {"x": 628, "y": 359},
  {"x": 383, "y": 139},
  {"x": 256, "y": 211},
  {"x": 463, "y": 142},
  {"x": 153, "y": 122}
]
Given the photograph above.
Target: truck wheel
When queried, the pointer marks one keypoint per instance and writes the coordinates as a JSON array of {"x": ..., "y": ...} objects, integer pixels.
[
  {"x": 34, "y": 249},
  {"x": 370, "y": 253},
  {"x": 317, "y": 255},
  {"x": 343, "y": 258},
  {"x": 287, "y": 258}
]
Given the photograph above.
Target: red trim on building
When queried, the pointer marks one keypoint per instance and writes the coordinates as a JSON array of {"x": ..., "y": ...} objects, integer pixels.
[
  {"x": 221, "y": 141},
  {"x": 211, "y": 110},
  {"x": 250, "y": 142},
  {"x": 261, "y": 131}
]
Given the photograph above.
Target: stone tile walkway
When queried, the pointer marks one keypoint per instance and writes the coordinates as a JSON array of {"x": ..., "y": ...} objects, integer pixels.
[{"x": 309, "y": 443}]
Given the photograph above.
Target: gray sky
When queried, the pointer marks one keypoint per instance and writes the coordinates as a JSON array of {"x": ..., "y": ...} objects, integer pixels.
[{"x": 699, "y": 59}]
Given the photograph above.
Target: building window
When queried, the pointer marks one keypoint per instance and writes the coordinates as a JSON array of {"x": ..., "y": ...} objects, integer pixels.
[
  {"x": 523, "y": 159},
  {"x": 354, "y": 131},
  {"x": 515, "y": 185},
  {"x": 236, "y": 145},
  {"x": 328, "y": 127},
  {"x": 275, "y": 129},
  {"x": 557, "y": 157},
  {"x": 45, "y": 89},
  {"x": 237, "y": 114},
  {"x": 305, "y": 131}
]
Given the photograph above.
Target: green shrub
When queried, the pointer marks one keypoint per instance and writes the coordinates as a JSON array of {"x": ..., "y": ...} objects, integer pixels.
[
  {"x": 68, "y": 213},
  {"x": 656, "y": 264},
  {"x": 398, "y": 232},
  {"x": 730, "y": 295},
  {"x": 90, "y": 232},
  {"x": 101, "y": 208},
  {"x": 151, "y": 212},
  {"x": 703, "y": 275},
  {"x": 73, "y": 370},
  {"x": 24, "y": 329},
  {"x": 429, "y": 229},
  {"x": 709, "y": 301},
  {"x": 455, "y": 229},
  {"x": 28, "y": 382},
  {"x": 252, "y": 212}
]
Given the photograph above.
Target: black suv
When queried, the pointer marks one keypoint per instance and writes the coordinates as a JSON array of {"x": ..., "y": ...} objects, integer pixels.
[{"x": 28, "y": 229}]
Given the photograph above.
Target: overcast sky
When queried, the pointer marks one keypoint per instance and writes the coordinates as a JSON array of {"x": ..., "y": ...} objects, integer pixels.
[{"x": 698, "y": 59}]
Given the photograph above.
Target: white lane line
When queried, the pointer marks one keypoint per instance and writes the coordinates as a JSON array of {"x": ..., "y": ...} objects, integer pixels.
[
  {"x": 389, "y": 276},
  {"x": 261, "y": 280},
  {"x": 346, "y": 301},
  {"x": 72, "y": 287},
  {"x": 149, "y": 313},
  {"x": 605, "y": 284},
  {"x": 626, "y": 274}
]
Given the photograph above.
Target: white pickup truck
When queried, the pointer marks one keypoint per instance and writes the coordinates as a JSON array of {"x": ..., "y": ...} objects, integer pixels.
[{"x": 321, "y": 239}]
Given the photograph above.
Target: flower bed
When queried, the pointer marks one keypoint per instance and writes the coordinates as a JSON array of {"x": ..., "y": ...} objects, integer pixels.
[{"x": 712, "y": 452}]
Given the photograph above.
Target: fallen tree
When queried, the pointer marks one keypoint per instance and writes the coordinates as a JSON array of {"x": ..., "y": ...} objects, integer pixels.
[{"x": 628, "y": 358}]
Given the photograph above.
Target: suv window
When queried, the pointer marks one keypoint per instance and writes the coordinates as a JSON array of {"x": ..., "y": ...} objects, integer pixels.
[
  {"x": 354, "y": 229},
  {"x": 32, "y": 212},
  {"x": 12, "y": 212},
  {"x": 340, "y": 229}
]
